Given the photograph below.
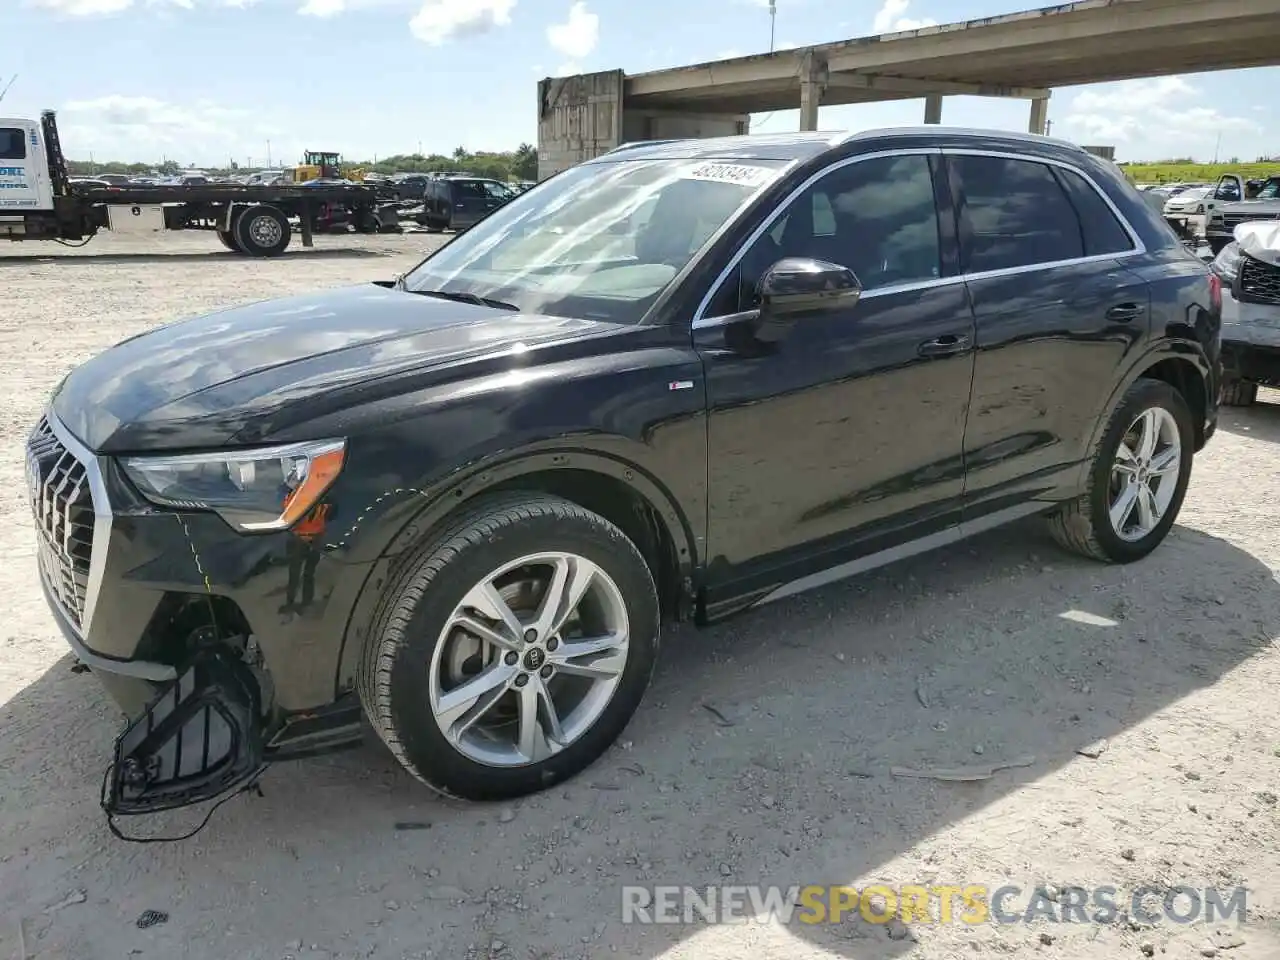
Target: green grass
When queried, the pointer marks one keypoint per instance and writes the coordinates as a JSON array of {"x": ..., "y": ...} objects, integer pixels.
[{"x": 1203, "y": 172}]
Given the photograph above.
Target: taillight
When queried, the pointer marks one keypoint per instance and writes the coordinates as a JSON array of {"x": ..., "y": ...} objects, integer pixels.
[{"x": 1215, "y": 292}]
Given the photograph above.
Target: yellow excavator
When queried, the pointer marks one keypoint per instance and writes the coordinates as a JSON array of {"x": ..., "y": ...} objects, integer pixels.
[{"x": 324, "y": 163}]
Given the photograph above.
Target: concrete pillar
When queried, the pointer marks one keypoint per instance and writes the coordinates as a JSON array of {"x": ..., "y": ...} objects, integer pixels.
[
  {"x": 1039, "y": 114},
  {"x": 933, "y": 108},
  {"x": 813, "y": 79}
]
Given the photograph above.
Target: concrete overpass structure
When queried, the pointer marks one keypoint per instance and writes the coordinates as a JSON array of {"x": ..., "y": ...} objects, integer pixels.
[{"x": 1022, "y": 55}]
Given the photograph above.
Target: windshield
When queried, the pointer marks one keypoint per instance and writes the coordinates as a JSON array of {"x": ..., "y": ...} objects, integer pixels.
[
  {"x": 1270, "y": 190},
  {"x": 600, "y": 241}
]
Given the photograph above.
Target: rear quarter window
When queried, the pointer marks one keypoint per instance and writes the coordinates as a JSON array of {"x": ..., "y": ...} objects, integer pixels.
[
  {"x": 1100, "y": 229},
  {"x": 13, "y": 144}
]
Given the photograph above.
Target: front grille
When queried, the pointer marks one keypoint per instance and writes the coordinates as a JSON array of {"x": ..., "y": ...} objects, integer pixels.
[
  {"x": 62, "y": 502},
  {"x": 1259, "y": 282},
  {"x": 1233, "y": 220}
]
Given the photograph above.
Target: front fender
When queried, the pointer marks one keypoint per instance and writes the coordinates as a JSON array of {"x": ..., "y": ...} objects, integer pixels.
[{"x": 413, "y": 518}]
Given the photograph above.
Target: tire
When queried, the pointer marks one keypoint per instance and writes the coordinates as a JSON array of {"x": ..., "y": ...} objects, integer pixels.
[
  {"x": 263, "y": 231},
  {"x": 1084, "y": 525},
  {"x": 403, "y": 670},
  {"x": 228, "y": 240},
  {"x": 1239, "y": 393}
]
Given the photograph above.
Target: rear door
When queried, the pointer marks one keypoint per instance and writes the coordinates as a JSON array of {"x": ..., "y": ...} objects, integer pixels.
[
  {"x": 1057, "y": 315},
  {"x": 470, "y": 202}
]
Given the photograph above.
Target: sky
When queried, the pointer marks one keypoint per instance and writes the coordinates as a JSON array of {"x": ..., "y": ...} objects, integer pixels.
[{"x": 204, "y": 82}]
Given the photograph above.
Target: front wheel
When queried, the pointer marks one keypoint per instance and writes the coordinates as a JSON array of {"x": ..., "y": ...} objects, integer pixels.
[
  {"x": 1137, "y": 479},
  {"x": 512, "y": 651}
]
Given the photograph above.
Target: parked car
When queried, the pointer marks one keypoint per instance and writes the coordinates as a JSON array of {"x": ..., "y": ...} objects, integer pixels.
[
  {"x": 411, "y": 186},
  {"x": 1227, "y": 211},
  {"x": 1249, "y": 268},
  {"x": 456, "y": 203},
  {"x": 1187, "y": 202},
  {"x": 465, "y": 502}
]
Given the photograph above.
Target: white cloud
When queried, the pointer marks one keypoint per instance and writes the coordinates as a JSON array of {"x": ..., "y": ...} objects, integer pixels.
[
  {"x": 322, "y": 8},
  {"x": 1163, "y": 116},
  {"x": 93, "y": 8},
  {"x": 142, "y": 129},
  {"x": 578, "y": 35},
  {"x": 84, "y": 8},
  {"x": 570, "y": 69},
  {"x": 441, "y": 20},
  {"x": 890, "y": 18}
]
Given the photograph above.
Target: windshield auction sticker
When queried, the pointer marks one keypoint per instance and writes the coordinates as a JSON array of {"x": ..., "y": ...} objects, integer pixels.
[{"x": 740, "y": 173}]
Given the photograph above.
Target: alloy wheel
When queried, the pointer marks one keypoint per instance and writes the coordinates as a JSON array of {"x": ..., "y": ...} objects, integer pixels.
[
  {"x": 529, "y": 659},
  {"x": 1144, "y": 475}
]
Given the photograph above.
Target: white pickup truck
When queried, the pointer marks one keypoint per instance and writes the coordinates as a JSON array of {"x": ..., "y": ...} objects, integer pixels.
[{"x": 1231, "y": 205}]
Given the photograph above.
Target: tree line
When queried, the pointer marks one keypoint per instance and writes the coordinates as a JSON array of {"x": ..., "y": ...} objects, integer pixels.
[{"x": 518, "y": 164}]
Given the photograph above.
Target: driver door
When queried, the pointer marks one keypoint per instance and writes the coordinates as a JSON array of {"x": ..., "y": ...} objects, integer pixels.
[{"x": 844, "y": 437}]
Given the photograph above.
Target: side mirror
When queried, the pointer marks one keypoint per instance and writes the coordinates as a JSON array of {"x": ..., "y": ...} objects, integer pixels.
[{"x": 799, "y": 285}]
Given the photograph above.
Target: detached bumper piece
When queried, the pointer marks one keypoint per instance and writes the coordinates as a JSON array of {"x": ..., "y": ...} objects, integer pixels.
[{"x": 201, "y": 738}]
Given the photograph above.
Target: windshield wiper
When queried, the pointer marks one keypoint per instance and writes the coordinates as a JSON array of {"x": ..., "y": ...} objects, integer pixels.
[{"x": 476, "y": 299}]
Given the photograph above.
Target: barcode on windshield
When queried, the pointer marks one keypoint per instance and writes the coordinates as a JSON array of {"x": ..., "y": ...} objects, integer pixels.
[{"x": 740, "y": 173}]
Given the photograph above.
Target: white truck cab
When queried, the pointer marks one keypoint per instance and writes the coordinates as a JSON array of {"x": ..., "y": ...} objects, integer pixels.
[{"x": 24, "y": 170}]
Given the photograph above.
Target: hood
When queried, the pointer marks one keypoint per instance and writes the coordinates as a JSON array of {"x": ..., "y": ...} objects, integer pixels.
[
  {"x": 201, "y": 381},
  {"x": 1260, "y": 239}
]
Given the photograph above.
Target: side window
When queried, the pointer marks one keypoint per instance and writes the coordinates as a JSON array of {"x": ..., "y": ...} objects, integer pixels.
[
  {"x": 13, "y": 145},
  {"x": 1102, "y": 230},
  {"x": 1016, "y": 214},
  {"x": 877, "y": 217}
]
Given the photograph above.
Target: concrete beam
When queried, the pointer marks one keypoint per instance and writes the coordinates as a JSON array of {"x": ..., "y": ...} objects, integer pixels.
[
  {"x": 1078, "y": 25},
  {"x": 918, "y": 87},
  {"x": 933, "y": 108}
]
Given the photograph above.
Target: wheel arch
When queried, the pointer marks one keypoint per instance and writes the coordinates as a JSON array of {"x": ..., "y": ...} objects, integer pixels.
[
  {"x": 1181, "y": 365},
  {"x": 618, "y": 490}
]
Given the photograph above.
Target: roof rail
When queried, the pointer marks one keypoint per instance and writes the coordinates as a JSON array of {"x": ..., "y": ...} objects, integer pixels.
[{"x": 638, "y": 143}]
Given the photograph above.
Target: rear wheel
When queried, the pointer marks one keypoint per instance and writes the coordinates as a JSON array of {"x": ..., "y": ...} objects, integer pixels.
[
  {"x": 1137, "y": 480},
  {"x": 263, "y": 231},
  {"x": 1239, "y": 393},
  {"x": 513, "y": 650}
]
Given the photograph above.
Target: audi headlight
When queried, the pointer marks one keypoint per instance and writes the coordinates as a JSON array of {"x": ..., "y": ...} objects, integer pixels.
[
  {"x": 1227, "y": 263},
  {"x": 257, "y": 490}
]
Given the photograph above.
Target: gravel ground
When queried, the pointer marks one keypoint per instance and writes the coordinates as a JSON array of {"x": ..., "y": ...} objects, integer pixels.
[{"x": 763, "y": 754}]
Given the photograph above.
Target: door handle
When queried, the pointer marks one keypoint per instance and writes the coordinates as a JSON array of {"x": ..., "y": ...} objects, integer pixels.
[
  {"x": 945, "y": 345},
  {"x": 1124, "y": 312}
]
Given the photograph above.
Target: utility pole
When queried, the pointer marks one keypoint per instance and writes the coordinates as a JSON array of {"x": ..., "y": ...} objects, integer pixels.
[
  {"x": 1216, "y": 146},
  {"x": 1048, "y": 127},
  {"x": 268, "y": 154},
  {"x": 773, "y": 20}
]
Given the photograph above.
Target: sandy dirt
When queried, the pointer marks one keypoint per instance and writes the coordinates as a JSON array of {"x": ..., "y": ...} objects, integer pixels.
[{"x": 763, "y": 754}]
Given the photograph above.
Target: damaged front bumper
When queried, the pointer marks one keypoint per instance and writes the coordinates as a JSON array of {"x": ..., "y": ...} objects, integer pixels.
[
  {"x": 181, "y": 621},
  {"x": 200, "y": 738}
]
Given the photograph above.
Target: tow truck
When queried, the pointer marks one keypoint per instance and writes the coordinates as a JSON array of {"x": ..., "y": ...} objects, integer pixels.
[{"x": 38, "y": 201}]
